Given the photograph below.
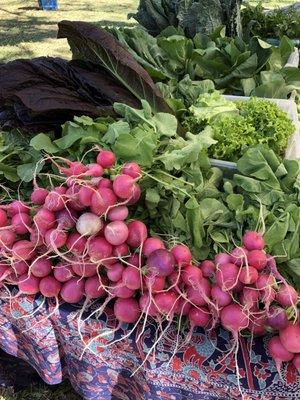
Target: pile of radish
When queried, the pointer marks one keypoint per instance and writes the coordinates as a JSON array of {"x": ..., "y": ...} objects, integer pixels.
[{"x": 76, "y": 241}]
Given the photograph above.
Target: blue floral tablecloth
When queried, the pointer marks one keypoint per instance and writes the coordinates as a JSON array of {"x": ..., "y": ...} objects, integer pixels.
[{"x": 200, "y": 371}]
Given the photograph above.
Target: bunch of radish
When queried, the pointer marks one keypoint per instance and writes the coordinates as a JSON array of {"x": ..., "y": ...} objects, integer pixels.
[{"x": 75, "y": 242}]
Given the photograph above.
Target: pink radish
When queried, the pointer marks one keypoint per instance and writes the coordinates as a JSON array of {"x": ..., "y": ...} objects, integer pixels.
[
  {"x": 131, "y": 278},
  {"x": 199, "y": 317},
  {"x": 208, "y": 269},
  {"x": 248, "y": 275},
  {"x": 23, "y": 250},
  {"x": 38, "y": 196},
  {"x": 44, "y": 220},
  {"x": 115, "y": 272},
  {"x": 221, "y": 298},
  {"x": 296, "y": 362},
  {"x": 286, "y": 296},
  {"x": 75, "y": 168},
  {"x": 118, "y": 213},
  {"x": 154, "y": 283},
  {"x": 7, "y": 238},
  {"x": 102, "y": 199},
  {"x": 118, "y": 289},
  {"x": 135, "y": 195},
  {"x": 257, "y": 323},
  {"x": 191, "y": 275},
  {"x": 72, "y": 196},
  {"x": 165, "y": 302},
  {"x": 99, "y": 249},
  {"x": 21, "y": 223},
  {"x": 72, "y": 291},
  {"x": 146, "y": 307},
  {"x": 76, "y": 243},
  {"x": 28, "y": 284},
  {"x": 66, "y": 218},
  {"x": 161, "y": 262},
  {"x": 116, "y": 233},
  {"x": 290, "y": 337},
  {"x": 182, "y": 254},
  {"x": 106, "y": 159},
  {"x": 253, "y": 241},
  {"x": 88, "y": 224},
  {"x": 182, "y": 307},
  {"x": 257, "y": 259},
  {"x": 279, "y": 352},
  {"x": 227, "y": 276},
  {"x": 121, "y": 250},
  {"x": 249, "y": 297},
  {"x": 20, "y": 267},
  {"x": 277, "y": 318},
  {"x": 105, "y": 183},
  {"x": 199, "y": 295},
  {"x": 49, "y": 286},
  {"x": 16, "y": 207},
  {"x": 222, "y": 259},
  {"x": 41, "y": 267},
  {"x": 135, "y": 260},
  {"x": 85, "y": 269},
  {"x": 239, "y": 256},
  {"x": 63, "y": 272},
  {"x": 151, "y": 244},
  {"x": 127, "y": 310},
  {"x": 3, "y": 218},
  {"x": 94, "y": 288},
  {"x": 55, "y": 238},
  {"x": 85, "y": 195},
  {"x": 94, "y": 170},
  {"x": 137, "y": 233},
  {"x": 55, "y": 200},
  {"x": 132, "y": 169},
  {"x": 234, "y": 319},
  {"x": 123, "y": 186}
]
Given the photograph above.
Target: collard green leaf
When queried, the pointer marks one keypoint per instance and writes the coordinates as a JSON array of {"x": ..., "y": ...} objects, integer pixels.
[
  {"x": 115, "y": 130},
  {"x": 26, "y": 172},
  {"x": 43, "y": 142}
]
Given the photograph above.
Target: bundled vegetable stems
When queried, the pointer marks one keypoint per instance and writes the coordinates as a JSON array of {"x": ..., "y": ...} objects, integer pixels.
[{"x": 76, "y": 241}]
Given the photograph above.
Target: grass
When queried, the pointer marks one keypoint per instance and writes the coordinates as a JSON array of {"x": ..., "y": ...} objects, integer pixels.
[{"x": 26, "y": 31}]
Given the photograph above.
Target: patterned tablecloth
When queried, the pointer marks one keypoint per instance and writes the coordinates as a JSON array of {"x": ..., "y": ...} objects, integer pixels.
[{"x": 200, "y": 371}]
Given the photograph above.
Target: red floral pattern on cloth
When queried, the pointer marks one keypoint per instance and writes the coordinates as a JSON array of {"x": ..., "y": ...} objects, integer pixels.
[{"x": 205, "y": 369}]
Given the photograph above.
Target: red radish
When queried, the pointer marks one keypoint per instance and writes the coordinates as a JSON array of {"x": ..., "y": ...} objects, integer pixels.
[
  {"x": 115, "y": 272},
  {"x": 85, "y": 195},
  {"x": 55, "y": 238},
  {"x": 63, "y": 272},
  {"x": 76, "y": 168},
  {"x": 146, "y": 307},
  {"x": 66, "y": 218},
  {"x": 102, "y": 200},
  {"x": 23, "y": 250},
  {"x": 29, "y": 284},
  {"x": 20, "y": 267},
  {"x": 94, "y": 170},
  {"x": 72, "y": 195},
  {"x": 118, "y": 289},
  {"x": 106, "y": 159},
  {"x": 191, "y": 275},
  {"x": 94, "y": 288},
  {"x": 182, "y": 254},
  {"x": 234, "y": 319},
  {"x": 165, "y": 302},
  {"x": 257, "y": 259},
  {"x": 290, "y": 337},
  {"x": 296, "y": 362},
  {"x": 135, "y": 196},
  {"x": 135, "y": 260},
  {"x": 199, "y": 295},
  {"x": 151, "y": 244},
  {"x": 38, "y": 196},
  {"x": 279, "y": 352},
  {"x": 127, "y": 310},
  {"x": 131, "y": 278},
  {"x": 239, "y": 287},
  {"x": 249, "y": 297},
  {"x": 72, "y": 291},
  {"x": 208, "y": 269},
  {"x": 16, "y": 207},
  {"x": 154, "y": 283},
  {"x": 5, "y": 272},
  {"x": 85, "y": 269},
  {"x": 161, "y": 262},
  {"x": 121, "y": 250},
  {"x": 227, "y": 276},
  {"x": 182, "y": 307},
  {"x": 286, "y": 296},
  {"x": 277, "y": 318},
  {"x": 248, "y": 275},
  {"x": 239, "y": 256},
  {"x": 257, "y": 323},
  {"x": 175, "y": 278},
  {"x": 132, "y": 169},
  {"x": 41, "y": 267},
  {"x": 222, "y": 259},
  {"x": 199, "y": 317},
  {"x": 116, "y": 233},
  {"x": 7, "y": 238},
  {"x": 89, "y": 224},
  {"x": 99, "y": 249},
  {"x": 123, "y": 186},
  {"x": 118, "y": 213},
  {"x": 137, "y": 233},
  {"x": 265, "y": 281},
  {"x": 221, "y": 298},
  {"x": 44, "y": 220},
  {"x": 253, "y": 241},
  {"x": 76, "y": 243},
  {"x": 21, "y": 223},
  {"x": 55, "y": 200},
  {"x": 3, "y": 218},
  {"x": 105, "y": 183},
  {"x": 49, "y": 286}
]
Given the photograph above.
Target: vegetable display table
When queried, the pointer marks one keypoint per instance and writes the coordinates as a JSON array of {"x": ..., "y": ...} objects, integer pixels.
[{"x": 200, "y": 371}]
